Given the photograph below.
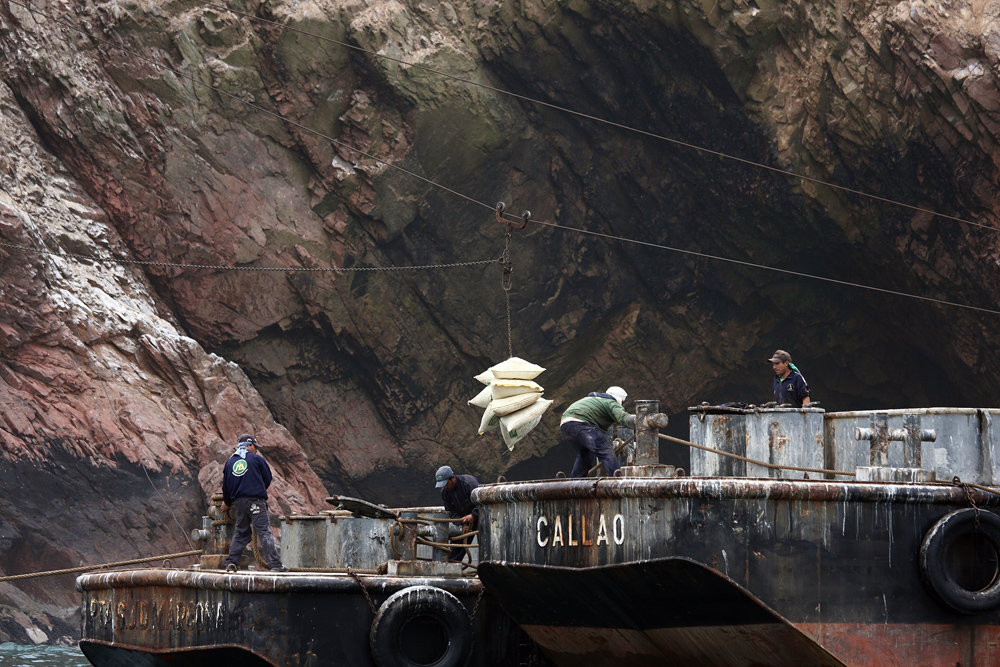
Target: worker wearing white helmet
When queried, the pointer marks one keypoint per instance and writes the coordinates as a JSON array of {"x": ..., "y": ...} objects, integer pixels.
[{"x": 583, "y": 426}]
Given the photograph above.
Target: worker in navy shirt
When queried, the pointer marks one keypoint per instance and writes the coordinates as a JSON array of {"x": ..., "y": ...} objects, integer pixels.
[
  {"x": 244, "y": 489},
  {"x": 456, "y": 493},
  {"x": 790, "y": 388}
]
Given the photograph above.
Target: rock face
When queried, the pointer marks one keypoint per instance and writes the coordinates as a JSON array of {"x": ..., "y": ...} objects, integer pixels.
[
  {"x": 115, "y": 424},
  {"x": 157, "y": 157}
]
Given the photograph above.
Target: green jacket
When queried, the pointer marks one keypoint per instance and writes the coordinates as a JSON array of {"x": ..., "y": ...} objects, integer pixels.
[{"x": 599, "y": 410}]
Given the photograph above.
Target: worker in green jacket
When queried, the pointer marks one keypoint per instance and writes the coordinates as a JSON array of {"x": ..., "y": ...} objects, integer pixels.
[{"x": 583, "y": 426}]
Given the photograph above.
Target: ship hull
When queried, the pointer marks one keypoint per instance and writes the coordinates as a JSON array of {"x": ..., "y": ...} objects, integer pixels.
[
  {"x": 838, "y": 563},
  {"x": 668, "y": 611},
  {"x": 157, "y": 617}
]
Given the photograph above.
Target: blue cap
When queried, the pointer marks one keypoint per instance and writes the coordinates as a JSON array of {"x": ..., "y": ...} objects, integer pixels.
[{"x": 442, "y": 476}]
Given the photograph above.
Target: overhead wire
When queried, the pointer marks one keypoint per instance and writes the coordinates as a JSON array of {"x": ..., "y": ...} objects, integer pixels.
[
  {"x": 754, "y": 265},
  {"x": 225, "y": 267},
  {"x": 483, "y": 204},
  {"x": 604, "y": 121}
]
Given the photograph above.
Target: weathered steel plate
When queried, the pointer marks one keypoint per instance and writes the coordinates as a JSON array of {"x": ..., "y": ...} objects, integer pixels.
[
  {"x": 160, "y": 617},
  {"x": 670, "y": 611},
  {"x": 360, "y": 507}
]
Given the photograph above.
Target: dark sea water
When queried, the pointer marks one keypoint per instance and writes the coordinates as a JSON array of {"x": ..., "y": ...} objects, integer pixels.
[{"x": 16, "y": 655}]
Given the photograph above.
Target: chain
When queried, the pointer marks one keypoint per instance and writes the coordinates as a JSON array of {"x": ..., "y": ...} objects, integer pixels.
[
  {"x": 223, "y": 267},
  {"x": 507, "y": 268},
  {"x": 364, "y": 589},
  {"x": 482, "y": 590},
  {"x": 968, "y": 496}
]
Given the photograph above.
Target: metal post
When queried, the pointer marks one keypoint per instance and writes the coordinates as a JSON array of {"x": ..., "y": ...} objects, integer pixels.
[
  {"x": 647, "y": 444},
  {"x": 408, "y": 537},
  {"x": 440, "y": 533},
  {"x": 914, "y": 436},
  {"x": 879, "y": 451}
]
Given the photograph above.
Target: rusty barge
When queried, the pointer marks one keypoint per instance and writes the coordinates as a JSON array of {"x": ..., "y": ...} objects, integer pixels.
[
  {"x": 747, "y": 563},
  {"x": 799, "y": 538},
  {"x": 366, "y": 587}
]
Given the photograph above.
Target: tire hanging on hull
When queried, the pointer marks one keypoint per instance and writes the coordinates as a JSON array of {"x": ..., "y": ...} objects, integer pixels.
[
  {"x": 938, "y": 572},
  {"x": 421, "y": 626}
]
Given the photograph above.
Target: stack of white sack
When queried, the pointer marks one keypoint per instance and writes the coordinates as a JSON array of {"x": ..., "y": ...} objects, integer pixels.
[{"x": 511, "y": 398}]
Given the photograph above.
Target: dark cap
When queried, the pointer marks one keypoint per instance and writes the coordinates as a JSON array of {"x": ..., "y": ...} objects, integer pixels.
[
  {"x": 780, "y": 355},
  {"x": 247, "y": 438},
  {"x": 442, "y": 476}
]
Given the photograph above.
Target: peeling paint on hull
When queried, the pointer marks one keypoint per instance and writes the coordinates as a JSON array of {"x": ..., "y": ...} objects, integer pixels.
[
  {"x": 156, "y": 617},
  {"x": 838, "y": 561}
]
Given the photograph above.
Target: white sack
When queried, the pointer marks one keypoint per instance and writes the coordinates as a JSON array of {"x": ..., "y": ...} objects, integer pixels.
[
  {"x": 483, "y": 398},
  {"x": 485, "y": 377},
  {"x": 517, "y": 425},
  {"x": 505, "y": 406},
  {"x": 490, "y": 421},
  {"x": 516, "y": 369},
  {"x": 505, "y": 388}
]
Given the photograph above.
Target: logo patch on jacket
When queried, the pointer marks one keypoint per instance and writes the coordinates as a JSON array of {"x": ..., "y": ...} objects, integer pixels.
[{"x": 240, "y": 468}]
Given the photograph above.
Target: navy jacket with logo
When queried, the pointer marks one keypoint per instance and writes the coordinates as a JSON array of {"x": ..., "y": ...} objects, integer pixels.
[
  {"x": 245, "y": 478},
  {"x": 791, "y": 390}
]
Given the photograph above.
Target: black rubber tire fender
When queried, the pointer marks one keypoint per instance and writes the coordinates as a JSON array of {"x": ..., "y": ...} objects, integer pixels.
[
  {"x": 386, "y": 638},
  {"x": 934, "y": 570}
]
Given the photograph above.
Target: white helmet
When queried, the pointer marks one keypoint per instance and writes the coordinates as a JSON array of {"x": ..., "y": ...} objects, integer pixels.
[{"x": 619, "y": 394}]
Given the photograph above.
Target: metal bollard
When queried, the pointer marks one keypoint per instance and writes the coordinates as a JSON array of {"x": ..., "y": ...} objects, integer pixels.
[
  {"x": 880, "y": 435},
  {"x": 647, "y": 445}
]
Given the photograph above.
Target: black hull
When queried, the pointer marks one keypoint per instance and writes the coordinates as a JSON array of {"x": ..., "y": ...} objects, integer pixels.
[
  {"x": 158, "y": 618},
  {"x": 662, "y": 612},
  {"x": 840, "y": 562}
]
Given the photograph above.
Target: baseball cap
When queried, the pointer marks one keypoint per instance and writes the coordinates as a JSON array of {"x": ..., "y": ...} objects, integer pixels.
[
  {"x": 247, "y": 438},
  {"x": 442, "y": 476},
  {"x": 780, "y": 355},
  {"x": 619, "y": 394}
]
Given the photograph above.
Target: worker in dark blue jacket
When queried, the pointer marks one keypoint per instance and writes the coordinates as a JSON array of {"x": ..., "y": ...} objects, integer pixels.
[
  {"x": 456, "y": 493},
  {"x": 790, "y": 387},
  {"x": 244, "y": 489}
]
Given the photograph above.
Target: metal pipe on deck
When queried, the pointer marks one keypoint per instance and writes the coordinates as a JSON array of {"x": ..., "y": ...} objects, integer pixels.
[{"x": 647, "y": 444}]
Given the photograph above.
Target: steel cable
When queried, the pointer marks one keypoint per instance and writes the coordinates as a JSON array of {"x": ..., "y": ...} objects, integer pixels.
[
  {"x": 511, "y": 217},
  {"x": 223, "y": 267},
  {"x": 753, "y": 265},
  {"x": 604, "y": 121},
  {"x": 88, "y": 568}
]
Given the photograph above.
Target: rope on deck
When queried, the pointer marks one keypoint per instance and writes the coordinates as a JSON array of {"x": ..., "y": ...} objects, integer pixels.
[
  {"x": 773, "y": 466},
  {"x": 88, "y": 568}
]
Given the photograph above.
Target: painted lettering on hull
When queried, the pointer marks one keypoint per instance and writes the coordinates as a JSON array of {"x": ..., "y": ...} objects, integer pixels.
[
  {"x": 155, "y": 616},
  {"x": 579, "y": 531}
]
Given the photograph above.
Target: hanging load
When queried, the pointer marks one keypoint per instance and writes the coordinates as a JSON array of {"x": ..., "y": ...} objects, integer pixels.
[
  {"x": 511, "y": 399},
  {"x": 515, "y": 426},
  {"x": 489, "y": 422},
  {"x": 486, "y": 377},
  {"x": 505, "y": 406},
  {"x": 516, "y": 368},
  {"x": 505, "y": 388},
  {"x": 483, "y": 398}
]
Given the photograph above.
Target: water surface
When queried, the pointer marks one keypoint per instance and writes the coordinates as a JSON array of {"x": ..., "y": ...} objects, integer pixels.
[{"x": 17, "y": 655}]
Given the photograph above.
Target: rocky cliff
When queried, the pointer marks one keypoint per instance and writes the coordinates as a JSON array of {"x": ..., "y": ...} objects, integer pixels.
[{"x": 156, "y": 157}]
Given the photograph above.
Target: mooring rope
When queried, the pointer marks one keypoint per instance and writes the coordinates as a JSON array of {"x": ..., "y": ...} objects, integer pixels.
[
  {"x": 619, "y": 448},
  {"x": 772, "y": 466},
  {"x": 88, "y": 568}
]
